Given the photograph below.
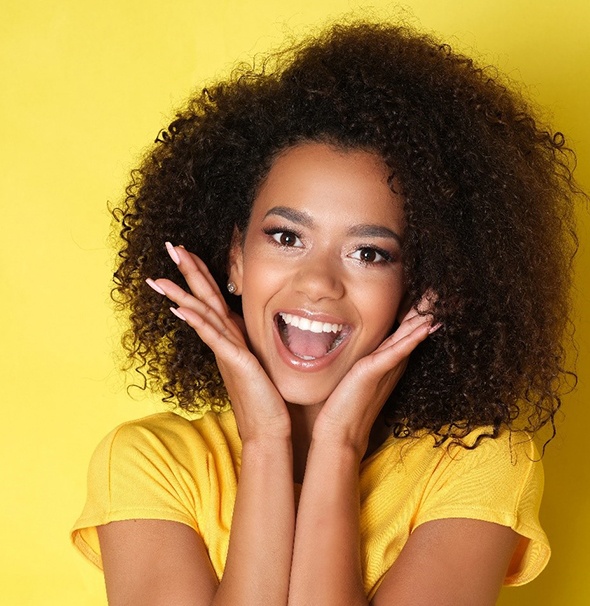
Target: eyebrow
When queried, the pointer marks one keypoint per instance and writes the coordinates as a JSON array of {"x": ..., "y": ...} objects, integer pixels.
[
  {"x": 374, "y": 231},
  {"x": 296, "y": 216},
  {"x": 368, "y": 230}
]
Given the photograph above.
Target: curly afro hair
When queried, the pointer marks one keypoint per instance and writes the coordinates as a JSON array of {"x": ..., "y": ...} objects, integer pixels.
[{"x": 488, "y": 199}]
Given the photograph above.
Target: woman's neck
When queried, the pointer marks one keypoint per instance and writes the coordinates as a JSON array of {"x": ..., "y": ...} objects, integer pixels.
[{"x": 303, "y": 419}]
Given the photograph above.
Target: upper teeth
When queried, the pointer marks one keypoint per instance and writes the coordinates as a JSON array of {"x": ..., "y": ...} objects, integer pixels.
[{"x": 311, "y": 325}]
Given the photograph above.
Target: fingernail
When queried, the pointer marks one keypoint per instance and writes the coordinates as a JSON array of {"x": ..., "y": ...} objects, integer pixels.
[
  {"x": 434, "y": 328},
  {"x": 151, "y": 283},
  {"x": 177, "y": 314},
  {"x": 173, "y": 254}
]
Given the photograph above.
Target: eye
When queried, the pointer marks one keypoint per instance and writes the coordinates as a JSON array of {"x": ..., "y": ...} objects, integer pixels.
[
  {"x": 369, "y": 255},
  {"x": 286, "y": 238}
]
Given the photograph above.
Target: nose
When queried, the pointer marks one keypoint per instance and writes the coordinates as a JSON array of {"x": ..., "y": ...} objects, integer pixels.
[{"x": 320, "y": 277}]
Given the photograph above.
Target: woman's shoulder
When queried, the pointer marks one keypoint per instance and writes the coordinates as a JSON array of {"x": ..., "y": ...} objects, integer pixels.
[
  {"x": 167, "y": 445},
  {"x": 507, "y": 448},
  {"x": 155, "y": 463},
  {"x": 164, "y": 467},
  {"x": 412, "y": 481},
  {"x": 173, "y": 432},
  {"x": 492, "y": 474},
  {"x": 508, "y": 460}
]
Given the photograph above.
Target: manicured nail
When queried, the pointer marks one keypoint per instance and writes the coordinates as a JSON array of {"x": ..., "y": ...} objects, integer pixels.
[
  {"x": 434, "y": 328},
  {"x": 151, "y": 283},
  {"x": 177, "y": 314},
  {"x": 173, "y": 254}
]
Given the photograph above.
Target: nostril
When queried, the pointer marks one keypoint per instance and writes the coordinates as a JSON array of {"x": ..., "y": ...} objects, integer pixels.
[{"x": 318, "y": 281}]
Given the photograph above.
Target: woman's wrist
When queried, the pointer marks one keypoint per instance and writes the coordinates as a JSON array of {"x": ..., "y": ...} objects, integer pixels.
[
  {"x": 264, "y": 433},
  {"x": 340, "y": 440},
  {"x": 266, "y": 446},
  {"x": 335, "y": 447}
]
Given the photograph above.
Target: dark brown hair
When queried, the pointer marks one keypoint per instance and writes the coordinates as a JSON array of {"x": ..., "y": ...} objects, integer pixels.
[{"x": 488, "y": 201}]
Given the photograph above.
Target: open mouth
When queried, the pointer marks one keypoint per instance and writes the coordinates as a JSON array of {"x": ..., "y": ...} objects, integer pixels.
[{"x": 309, "y": 339}]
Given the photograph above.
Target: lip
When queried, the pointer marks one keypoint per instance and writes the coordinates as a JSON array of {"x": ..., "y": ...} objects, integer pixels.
[{"x": 318, "y": 364}]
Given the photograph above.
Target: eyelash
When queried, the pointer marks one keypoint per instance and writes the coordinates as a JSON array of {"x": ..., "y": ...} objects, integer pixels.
[
  {"x": 386, "y": 257},
  {"x": 275, "y": 231}
]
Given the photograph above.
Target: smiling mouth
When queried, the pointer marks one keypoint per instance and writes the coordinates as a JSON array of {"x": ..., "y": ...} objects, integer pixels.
[{"x": 309, "y": 339}]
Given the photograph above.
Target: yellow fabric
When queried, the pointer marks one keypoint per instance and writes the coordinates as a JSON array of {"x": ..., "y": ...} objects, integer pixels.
[{"x": 166, "y": 467}]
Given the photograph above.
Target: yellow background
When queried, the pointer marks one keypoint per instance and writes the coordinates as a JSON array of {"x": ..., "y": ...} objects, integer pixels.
[{"x": 85, "y": 86}]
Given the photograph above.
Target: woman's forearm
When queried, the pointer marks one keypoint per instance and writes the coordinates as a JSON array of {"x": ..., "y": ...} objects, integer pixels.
[
  {"x": 326, "y": 561},
  {"x": 261, "y": 540}
]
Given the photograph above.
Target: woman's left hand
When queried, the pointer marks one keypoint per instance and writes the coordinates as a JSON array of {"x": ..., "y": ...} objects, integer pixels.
[{"x": 351, "y": 410}]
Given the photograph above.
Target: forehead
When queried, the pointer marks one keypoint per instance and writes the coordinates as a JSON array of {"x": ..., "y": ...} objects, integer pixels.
[{"x": 326, "y": 181}]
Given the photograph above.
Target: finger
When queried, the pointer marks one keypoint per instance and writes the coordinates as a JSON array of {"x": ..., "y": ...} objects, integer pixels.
[
  {"x": 188, "y": 301},
  {"x": 201, "y": 282},
  {"x": 214, "y": 334},
  {"x": 175, "y": 255},
  {"x": 422, "y": 310},
  {"x": 409, "y": 324},
  {"x": 385, "y": 358},
  {"x": 424, "y": 307},
  {"x": 237, "y": 365},
  {"x": 206, "y": 273},
  {"x": 198, "y": 278},
  {"x": 412, "y": 313}
]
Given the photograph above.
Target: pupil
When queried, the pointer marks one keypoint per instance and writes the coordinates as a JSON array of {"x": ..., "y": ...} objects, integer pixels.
[
  {"x": 287, "y": 239},
  {"x": 367, "y": 254}
]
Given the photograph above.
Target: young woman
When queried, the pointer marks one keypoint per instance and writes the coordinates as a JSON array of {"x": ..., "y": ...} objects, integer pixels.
[{"x": 368, "y": 255}]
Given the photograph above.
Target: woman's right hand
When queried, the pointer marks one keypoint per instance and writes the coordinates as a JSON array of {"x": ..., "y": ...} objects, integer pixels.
[{"x": 259, "y": 408}]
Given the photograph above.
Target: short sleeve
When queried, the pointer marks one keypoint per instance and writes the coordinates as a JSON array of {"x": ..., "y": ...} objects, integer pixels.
[
  {"x": 143, "y": 470},
  {"x": 500, "y": 481}
]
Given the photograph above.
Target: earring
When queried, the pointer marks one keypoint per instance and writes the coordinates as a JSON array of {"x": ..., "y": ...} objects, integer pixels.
[{"x": 231, "y": 287}]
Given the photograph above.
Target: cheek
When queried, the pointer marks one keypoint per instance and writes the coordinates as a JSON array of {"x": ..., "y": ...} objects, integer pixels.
[
  {"x": 260, "y": 280},
  {"x": 263, "y": 271},
  {"x": 382, "y": 305},
  {"x": 260, "y": 283}
]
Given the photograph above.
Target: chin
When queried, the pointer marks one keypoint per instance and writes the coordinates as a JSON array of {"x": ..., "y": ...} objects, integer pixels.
[{"x": 302, "y": 397}]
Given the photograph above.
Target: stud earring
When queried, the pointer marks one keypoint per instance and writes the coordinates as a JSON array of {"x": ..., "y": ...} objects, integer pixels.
[{"x": 231, "y": 287}]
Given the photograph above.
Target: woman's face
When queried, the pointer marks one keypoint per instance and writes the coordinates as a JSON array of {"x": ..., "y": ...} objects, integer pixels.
[{"x": 319, "y": 268}]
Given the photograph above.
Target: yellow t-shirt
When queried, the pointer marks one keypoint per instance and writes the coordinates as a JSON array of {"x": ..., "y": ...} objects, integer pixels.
[{"x": 166, "y": 467}]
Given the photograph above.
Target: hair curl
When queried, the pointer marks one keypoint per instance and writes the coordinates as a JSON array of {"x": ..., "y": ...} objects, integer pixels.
[{"x": 488, "y": 196}]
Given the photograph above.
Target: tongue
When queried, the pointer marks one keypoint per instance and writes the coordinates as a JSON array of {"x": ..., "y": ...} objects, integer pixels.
[{"x": 305, "y": 343}]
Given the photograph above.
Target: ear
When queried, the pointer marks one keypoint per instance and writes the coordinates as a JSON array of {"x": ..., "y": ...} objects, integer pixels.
[{"x": 236, "y": 260}]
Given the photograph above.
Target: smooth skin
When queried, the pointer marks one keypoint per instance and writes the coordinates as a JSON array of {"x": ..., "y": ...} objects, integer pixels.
[{"x": 323, "y": 242}]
